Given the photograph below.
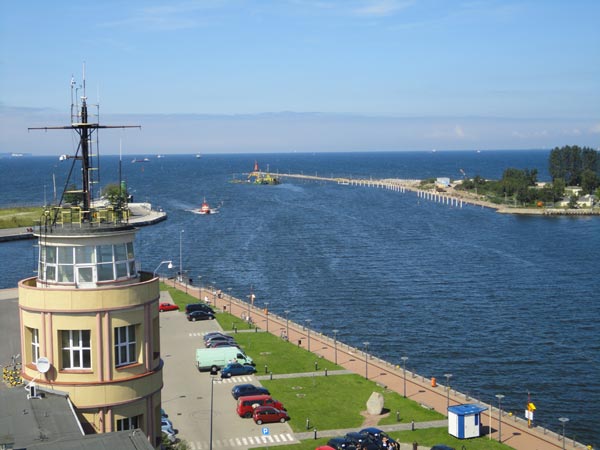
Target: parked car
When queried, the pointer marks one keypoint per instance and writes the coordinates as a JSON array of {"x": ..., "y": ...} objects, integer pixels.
[
  {"x": 210, "y": 335},
  {"x": 361, "y": 440},
  {"x": 377, "y": 435},
  {"x": 233, "y": 369},
  {"x": 166, "y": 426},
  {"x": 199, "y": 315},
  {"x": 198, "y": 307},
  {"x": 243, "y": 390},
  {"x": 246, "y": 404},
  {"x": 268, "y": 414},
  {"x": 162, "y": 307},
  {"x": 214, "y": 342},
  {"x": 341, "y": 443},
  {"x": 218, "y": 339},
  {"x": 223, "y": 344}
]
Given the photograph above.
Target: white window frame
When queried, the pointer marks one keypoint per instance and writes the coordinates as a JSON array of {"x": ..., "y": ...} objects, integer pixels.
[
  {"x": 76, "y": 345},
  {"x": 35, "y": 345},
  {"x": 125, "y": 346}
]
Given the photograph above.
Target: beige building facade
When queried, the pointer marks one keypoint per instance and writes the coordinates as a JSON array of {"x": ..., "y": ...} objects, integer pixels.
[{"x": 94, "y": 317}]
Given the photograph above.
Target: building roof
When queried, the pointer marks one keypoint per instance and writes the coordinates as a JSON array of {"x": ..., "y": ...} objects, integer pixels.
[
  {"x": 50, "y": 422},
  {"x": 24, "y": 421},
  {"x": 465, "y": 410}
]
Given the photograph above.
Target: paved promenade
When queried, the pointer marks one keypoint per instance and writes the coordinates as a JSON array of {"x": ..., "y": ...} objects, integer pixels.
[{"x": 514, "y": 430}]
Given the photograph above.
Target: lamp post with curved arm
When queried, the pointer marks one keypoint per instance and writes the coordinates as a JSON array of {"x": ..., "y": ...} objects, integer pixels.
[{"x": 170, "y": 266}]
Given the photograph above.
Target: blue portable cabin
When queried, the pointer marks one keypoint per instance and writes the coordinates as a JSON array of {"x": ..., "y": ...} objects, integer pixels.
[{"x": 464, "y": 421}]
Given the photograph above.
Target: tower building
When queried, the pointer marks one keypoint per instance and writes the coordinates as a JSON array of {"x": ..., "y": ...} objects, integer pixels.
[{"x": 89, "y": 315}]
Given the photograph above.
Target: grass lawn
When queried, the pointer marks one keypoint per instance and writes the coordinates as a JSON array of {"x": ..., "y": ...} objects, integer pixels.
[
  {"x": 20, "y": 216},
  {"x": 280, "y": 356},
  {"x": 336, "y": 401}
]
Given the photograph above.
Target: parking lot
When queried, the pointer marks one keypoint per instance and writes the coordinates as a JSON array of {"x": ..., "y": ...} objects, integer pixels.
[{"x": 186, "y": 393}]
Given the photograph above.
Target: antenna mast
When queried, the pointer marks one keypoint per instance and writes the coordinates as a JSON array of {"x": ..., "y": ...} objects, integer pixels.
[{"x": 85, "y": 130}]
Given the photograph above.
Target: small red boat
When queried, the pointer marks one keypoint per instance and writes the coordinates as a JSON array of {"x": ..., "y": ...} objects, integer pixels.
[{"x": 205, "y": 209}]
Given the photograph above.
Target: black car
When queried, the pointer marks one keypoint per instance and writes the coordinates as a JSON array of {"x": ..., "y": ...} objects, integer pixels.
[
  {"x": 378, "y": 436},
  {"x": 244, "y": 390},
  {"x": 441, "y": 447},
  {"x": 341, "y": 443},
  {"x": 360, "y": 440},
  {"x": 198, "y": 307},
  {"x": 199, "y": 315}
]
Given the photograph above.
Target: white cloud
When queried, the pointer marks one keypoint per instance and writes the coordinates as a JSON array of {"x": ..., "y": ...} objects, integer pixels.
[
  {"x": 459, "y": 132},
  {"x": 595, "y": 129}
]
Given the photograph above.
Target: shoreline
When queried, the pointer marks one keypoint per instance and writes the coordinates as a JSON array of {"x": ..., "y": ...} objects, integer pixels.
[{"x": 449, "y": 197}]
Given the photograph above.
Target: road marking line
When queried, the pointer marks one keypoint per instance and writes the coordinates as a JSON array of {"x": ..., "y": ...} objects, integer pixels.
[
  {"x": 290, "y": 437},
  {"x": 244, "y": 441},
  {"x": 238, "y": 442},
  {"x": 251, "y": 440},
  {"x": 276, "y": 437}
]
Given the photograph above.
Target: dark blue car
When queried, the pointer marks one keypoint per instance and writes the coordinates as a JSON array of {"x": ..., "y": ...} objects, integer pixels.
[
  {"x": 244, "y": 390},
  {"x": 233, "y": 369}
]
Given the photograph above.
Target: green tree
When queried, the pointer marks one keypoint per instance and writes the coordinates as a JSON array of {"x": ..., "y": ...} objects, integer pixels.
[
  {"x": 569, "y": 163},
  {"x": 115, "y": 194},
  {"x": 558, "y": 187},
  {"x": 589, "y": 181}
]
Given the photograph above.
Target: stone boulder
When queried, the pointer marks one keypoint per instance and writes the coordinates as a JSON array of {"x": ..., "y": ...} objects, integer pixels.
[{"x": 375, "y": 404}]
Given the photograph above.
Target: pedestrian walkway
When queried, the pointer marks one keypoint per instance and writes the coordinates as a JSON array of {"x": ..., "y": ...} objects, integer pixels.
[{"x": 263, "y": 440}]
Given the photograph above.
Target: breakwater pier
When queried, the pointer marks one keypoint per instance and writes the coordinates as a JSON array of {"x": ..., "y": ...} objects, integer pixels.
[
  {"x": 450, "y": 197},
  {"x": 497, "y": 424}
]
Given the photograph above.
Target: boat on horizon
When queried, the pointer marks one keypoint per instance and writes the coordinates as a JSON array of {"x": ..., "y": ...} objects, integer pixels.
[{"x": 140, "y": 160}]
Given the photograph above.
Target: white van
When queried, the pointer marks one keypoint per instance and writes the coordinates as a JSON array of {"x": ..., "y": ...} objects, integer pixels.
[{"x": 215, "y": 358}]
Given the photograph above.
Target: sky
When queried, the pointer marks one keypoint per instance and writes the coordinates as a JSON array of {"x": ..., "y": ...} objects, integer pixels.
[{"x": 240, "y": 76}]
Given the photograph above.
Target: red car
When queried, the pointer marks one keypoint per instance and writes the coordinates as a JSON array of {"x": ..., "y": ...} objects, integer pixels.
[
  {"x": 167, "y": 307},
  {"x": 266, "y": 414}
]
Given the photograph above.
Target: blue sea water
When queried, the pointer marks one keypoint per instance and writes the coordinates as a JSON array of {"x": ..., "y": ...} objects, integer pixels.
[{"x": 507, "y": 304}]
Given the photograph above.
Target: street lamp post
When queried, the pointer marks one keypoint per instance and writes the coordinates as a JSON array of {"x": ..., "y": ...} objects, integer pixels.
[
  {"x": 170, "y": 266},
  {"x": 404, "y": 358},
  {"x": 287, "y": 324},
  {"x": 180, "y": 255},
  {"x": 564, "y": 421},
  {"x": 229, "y": 290},
  {"x": 212, "y": 385},
  {"x": 335, "y": 332},
  {"x": 499, "y": 397},
  {"x": 267, "y": 314},
  {"x": 308, "y": 321},
  {"x": 366, "y": 344},
  {"x": 448, "y": 376},
  {"x": 214, "y": 293}
]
